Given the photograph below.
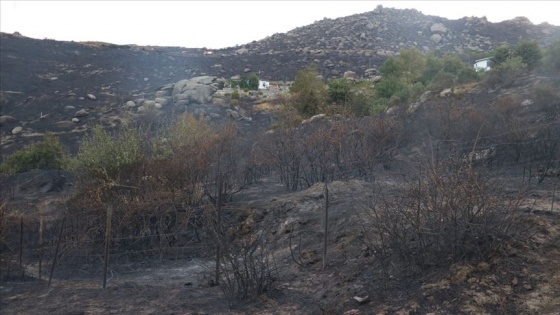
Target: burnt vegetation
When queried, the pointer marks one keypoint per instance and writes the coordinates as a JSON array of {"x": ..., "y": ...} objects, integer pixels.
[{"x": 461, "y": 164}]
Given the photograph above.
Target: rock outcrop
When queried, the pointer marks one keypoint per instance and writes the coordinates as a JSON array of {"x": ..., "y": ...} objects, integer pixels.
[{"x": 196, "y": 90}]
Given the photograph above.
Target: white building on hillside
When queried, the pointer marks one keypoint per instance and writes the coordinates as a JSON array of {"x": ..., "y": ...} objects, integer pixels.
[
  {"x": 483, "y": 64},
  {"x": 264, "y": 85}
]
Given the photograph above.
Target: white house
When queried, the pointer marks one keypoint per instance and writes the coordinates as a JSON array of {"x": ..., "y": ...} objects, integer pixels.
[
  {"x": 264, "y": 85},
  {"x": 483, "y": 64}
]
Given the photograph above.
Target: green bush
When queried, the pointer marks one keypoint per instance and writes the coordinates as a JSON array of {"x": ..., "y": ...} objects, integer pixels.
[
  {"x": 389, "y": 87},
  {"x": 46, "y": 154},
  {"x": 501, "y": 54},
  {"x": 250, "y": 82},
  {"x": 552, "y": 58},
  {"x": 443, "y": 80},
  {"x": 505, "y": 74},
  {"x": 309, "y": 93},
  {"x": 107, "y": 157},
  {"x": 530, "y": 52},
  {"x": 467, "y": 74},
  {"x": 339, "y": 90},
  {"x": 235, "y": 95}
]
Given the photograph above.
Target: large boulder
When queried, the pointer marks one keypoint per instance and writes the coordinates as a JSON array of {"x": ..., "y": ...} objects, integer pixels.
[
  {"x": 196, "y": 90},
  {"x": 438, "y": 28}
]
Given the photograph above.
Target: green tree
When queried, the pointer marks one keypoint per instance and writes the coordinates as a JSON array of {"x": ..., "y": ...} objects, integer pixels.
[
  {"x": 339, "y": 90},
  {"x": 250, "y": 82},
  {"x": 389, "y": 87},
  {"x": 434, "y": 65},
  {"x": 412, "y": 64},
  {"x": 530, "y": 52},
  {"x": 107, "y": 157},
  {"x": 552, "y": 59},
  {"x": 501, "y": 54},
  {"x": 309, "y": 93},
  {"x": 391, "y": 68},
  {"x": 46, "y": 154}
]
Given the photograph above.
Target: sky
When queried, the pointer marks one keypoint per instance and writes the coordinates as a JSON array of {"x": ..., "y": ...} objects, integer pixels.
[{"x": 221, "y": 24}]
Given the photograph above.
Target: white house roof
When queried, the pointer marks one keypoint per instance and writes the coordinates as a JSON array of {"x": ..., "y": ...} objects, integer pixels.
[{"x": 487, "y": 58}]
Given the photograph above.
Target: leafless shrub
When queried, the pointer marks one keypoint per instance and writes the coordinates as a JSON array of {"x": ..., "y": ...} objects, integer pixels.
[
  {"x": 440, "y": 218},
  {"x": 247, "y": 268}
]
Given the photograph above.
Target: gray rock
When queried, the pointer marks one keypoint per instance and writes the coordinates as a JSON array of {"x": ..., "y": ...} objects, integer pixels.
[
  {"x": 162, "y": 100},
  {"x": 371, "y": 72},
  {"x": 130, "y": 104},
  {"x": 141, "y": 109},
  {"x": 376, "y": 79},
  {"x": 65, "y": 124},
  {"x": 158, "y": 105},
  {"x": 438, "y": 28},
  {"x": 349, "y": 75},
  {"x": 17, "y": 130},
  {"x": 149, "y": 103},
  {"x": 69, "y": 108},
  {"x": 436, "y": 38},
  {"x": 445, "y": 93},
  {"x": 181, "y": 103},
  {"x": 218, "y": 101},
  {"x": 75, "y": 120},
  {"x": 162, "y": 93},
  {"x": 215, "y": 115},
  {"x": 233, "y": 114},
  {"x": 91, "y": 97},
  {"x": 373, "y": 25},
  {"x": 81, "y": 113},
  {"x": 197, "y": 90},
  {"x": 242, "y": 51},
  {"x": 7, "y": 120}
]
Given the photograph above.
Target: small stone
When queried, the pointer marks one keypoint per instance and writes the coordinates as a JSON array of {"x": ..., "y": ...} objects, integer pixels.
[
  {"x": 436, "y": 38},
  {"x": 483, "y": 266},
  {"x": 7, "y": 119},
  {"x": 361, "y": 300},
  {"x": 17, "y": 130},
  {"x": 81, "y": 113},
  {"x": 146, "y": 79},
  {"x": 162, "y": 100},
  {"x": 158, "y": 105},
  {"x": 527, "y": 286},
  {"x": 69, "y": 108},
  {"x": 130, "y": 104},
  {"x": 445, "y": 93},
  {"x": 91, "y": 97},
  {"x": 75, "y": 120}
]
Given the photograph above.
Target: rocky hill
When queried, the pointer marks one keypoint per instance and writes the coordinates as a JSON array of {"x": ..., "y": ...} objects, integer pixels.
[
  {"x": 364, "y": 40},
  {"x": 162, "y": 257},
  {"x": 45, "y": 84}
]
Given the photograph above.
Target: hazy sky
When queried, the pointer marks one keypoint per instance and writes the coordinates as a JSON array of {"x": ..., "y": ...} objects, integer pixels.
[{"x": 219, "y": 24}]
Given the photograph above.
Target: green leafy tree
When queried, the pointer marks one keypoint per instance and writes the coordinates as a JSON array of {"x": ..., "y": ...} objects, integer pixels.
[
  {"x": 412, "y": 64},
  {"x": 389, "y": 87},
  {"x": 339, "y": 90},
  {"x": 107, "y": 157},
  {"x": 309, "y": 93},
  {"x": 552, "y": 58},
  {"x": 530, "y": 52},
  {"x": 46, "y": 154},
  {"x": 501, "y": 54},
  {"x": 391, "y": 68},
  {"x": 434, "y": 65},
  {"x": 250, "y": 82}
]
